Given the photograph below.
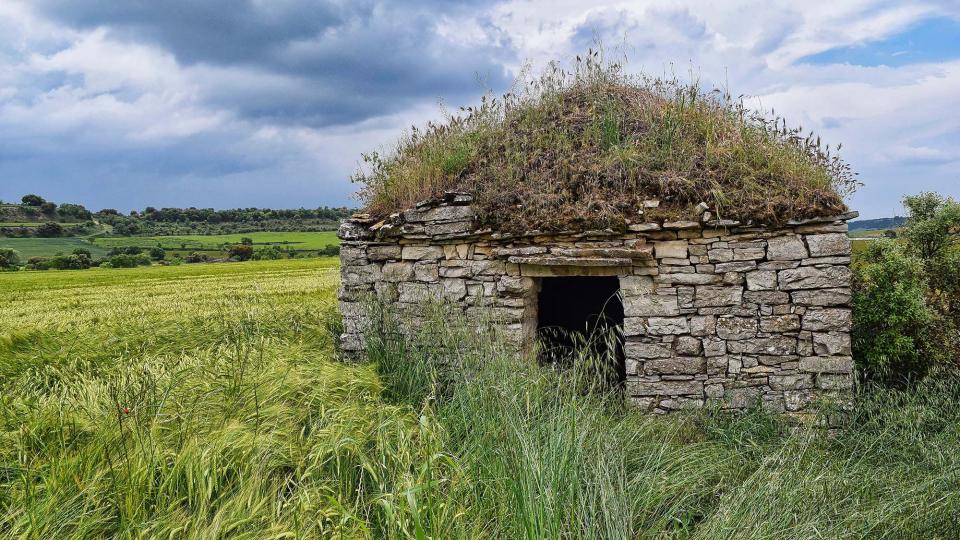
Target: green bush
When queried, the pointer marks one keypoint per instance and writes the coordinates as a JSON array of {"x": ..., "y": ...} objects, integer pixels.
[
  {"x": 129, "y": 261},
  {"x": 892, "y": 320},
  {"x": 271, "y": 253},
  {"x": 9, "y": 259},
  {"x": 241, "y": 252},
  {"x": 158, "y": 253}
]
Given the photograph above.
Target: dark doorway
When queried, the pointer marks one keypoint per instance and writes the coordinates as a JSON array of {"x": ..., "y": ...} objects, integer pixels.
[{"x": 580, "y": 312}]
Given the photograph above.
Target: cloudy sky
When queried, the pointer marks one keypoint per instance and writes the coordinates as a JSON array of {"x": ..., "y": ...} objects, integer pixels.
[{"x": 229, "y": 103}]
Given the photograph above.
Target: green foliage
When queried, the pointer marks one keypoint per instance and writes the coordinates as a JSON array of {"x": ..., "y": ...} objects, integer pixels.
[
  {"x": 583, "y": 148},
  {"x": 126, "y": 260},
  {"x": 892, "y": 321},
  {"x": 79, "y": 260},
  {"x": 9, "y": 259},
  {"x": 50, "y": 229},
  {"x": 241, "y": 252},
  {"x": 157, "y": 253},
  {"x": 270, "y": 253},
  {"x": 33, "y": 200}
]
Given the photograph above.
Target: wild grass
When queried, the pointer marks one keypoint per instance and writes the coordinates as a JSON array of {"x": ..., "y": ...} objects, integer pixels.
[
  {"x": 583, "y": 148},
  {"x": 207, "y": 402}
]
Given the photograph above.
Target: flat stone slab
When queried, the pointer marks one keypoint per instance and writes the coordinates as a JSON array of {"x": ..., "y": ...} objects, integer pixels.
[{"x": 571, "y": 261}]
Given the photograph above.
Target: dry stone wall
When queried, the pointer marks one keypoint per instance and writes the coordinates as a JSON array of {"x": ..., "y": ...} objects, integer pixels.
[{"x": 714, "y": 310}]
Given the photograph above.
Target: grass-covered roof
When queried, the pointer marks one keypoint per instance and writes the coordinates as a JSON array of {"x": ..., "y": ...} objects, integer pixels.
[{"x": 584, "y": 148}]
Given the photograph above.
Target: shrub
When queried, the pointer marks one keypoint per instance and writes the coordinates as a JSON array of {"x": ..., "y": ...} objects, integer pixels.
[
  {"x": 132, "y": 250},
  {"x": 246, "y": 241},
  {"x": 48, "y": 208},
  {"x": 33, "y": 200},
  {"x": 196, "y": 257},
  {"x": 892, "y": 321},
  {"x": 330, "y": 250},
  {"x": 50, "y": 229},
  {"x": 271, "y": 253},
  {"x": 241, "y": 252},
  {"x": 9, "y": 259},
  {"x": 129, "y": 261},
  {"x": 74, "y": 261},
  {"x": 157, "y": 253}
]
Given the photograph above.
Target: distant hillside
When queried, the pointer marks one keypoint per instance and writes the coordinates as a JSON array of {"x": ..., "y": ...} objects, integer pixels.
[{"x": 881, "y": 223}]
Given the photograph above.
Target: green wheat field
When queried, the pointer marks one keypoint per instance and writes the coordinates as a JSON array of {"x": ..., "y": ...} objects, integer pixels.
[{"x": 208, "y": 401}]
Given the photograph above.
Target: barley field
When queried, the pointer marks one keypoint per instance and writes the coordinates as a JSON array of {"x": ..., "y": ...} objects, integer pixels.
[{"x": 207, "y": 401}]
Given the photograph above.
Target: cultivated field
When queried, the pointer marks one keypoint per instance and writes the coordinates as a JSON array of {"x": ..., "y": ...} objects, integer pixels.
[
  {"x": 299, "y": 241},
  {"x": 206, "y": 401},
  {"x": 46, "y": 247}
]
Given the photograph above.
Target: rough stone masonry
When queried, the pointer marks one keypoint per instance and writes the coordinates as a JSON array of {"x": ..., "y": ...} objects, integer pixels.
[{"x": 715, "y": 310}]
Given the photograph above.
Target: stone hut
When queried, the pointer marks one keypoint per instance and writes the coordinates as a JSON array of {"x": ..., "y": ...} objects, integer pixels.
[{"x": 711, "y": 310}]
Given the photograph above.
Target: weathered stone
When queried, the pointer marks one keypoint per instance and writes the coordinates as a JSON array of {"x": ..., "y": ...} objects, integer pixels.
[
  {"x": 688, "y": 279},
  {"x": 525, "y": 250},
  {"x": 661, "y": 326},
  {"x": 720, "y": 255},
  {"x": 761, "y": 280},
  {"x": 822, "y": 297},
  {"x": 671, "y": 249},
  {"x": 545, "y": 260},
  {"x": 736, "y": 266},
  {"x": 688, "y": 346},
  {"x": 681, "y": 225},
  {"x": 736, "y": 327},
  {"x": 636, "y": 285},
  {"x": 675, "y": 366},
  {"x": 742, "y": 398},
  {"x": 780, "y": 323},
  {"x": 703, "y": 325},
  {"x": 713, "y": 391},
  {"x": 749, "y": 254},
  {"x": 515, "y": 284},
  {"x": 827, "y": 261},
  {"x": 827, "y": 364},
  {"x": 707, "y": 296},
  {"x": 786, "y": 248},
  {"x": 651, "y": 305},
  {"x": 800, "y": 381},
  {"x": 807, "y": 277},
  {"x": 665, "y": 388},
  {"x": 834, "y": 382},
  {"x": 766, "y": 298},
  {"x": 714, "y": 347},
  {"x": 382, "y": 253},
  {"x": 397, "y": 271},
  {"x": 418, "y": 293},
  {"x": 776, "y": 346},
  {"x": 827, "y": 319},
  {"x": 421, "y": 253},
  {"x": 831, "y": 344},
  {"x": 353, "y": 256},
  {"x": 638, "y": 350},
  {"x": 440, "y": 213},
  {"x": 426, "y": 272},
  {"x": 454, "y": 289},
  {"x": 355, "y": 276},
  {"x": 351, "y": 232},
  {"x": 826, "y": 245}
]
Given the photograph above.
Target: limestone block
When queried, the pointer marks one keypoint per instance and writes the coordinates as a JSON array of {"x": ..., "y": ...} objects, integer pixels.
[
  {"x": 826, "y": 245},
  {"x": 636, "y": 285},
  {"x": 749, "y": 254},
  {"x": 780, "y": 323},
  {"x": 420, "y": 253},
  {"x": 349, "y": 231},
  {"x": 688, "y": 279},
  {"x": 353, "y": 256},
  {"x": 742, "y": 398},
  {"x": 808, "y": 277},
  {"x": 397, "y": 271},
  {"x": 827, "y": 319},
  {"x": 720, "y": 255},
  {"x": 416, "y": 293},
  {"x": 426, "y": 271},
  {"x": 736, "y": 327},
  {"x": 832, "y": 344},
  {"x": 713, "y": 347},
  {"x": 672, "y": 249},
  {"x": 454, "y": 289},
  {"x": 440, "y": 213},
  {"x": 827, "y": 364},
  {"x": 795, "y": 400},
  {"x": 736, "y": 266},
  {"x": 665, "y": 388},
  {"x": 638, "y": 350},
  {"x": 776, "y": 360},
  {"x": 766, "y": 298},
  {"x": 651, "y": 305},
  {"x": 800, "y": 381},
  {"x": 822, "y": 297},
  {"x": 688, "y": 346},
  {"x": 713, "y": 391},
  {"x": 662, "y": 326},
  {"x": 761, "y": 280},
  {"x": 703, "y": 325},
  {"x": 675, "y": 366},
  {"x": 359, "y": 276},
  {"x": 773, "y": 346},
  {"x": 707, "y": 296},
  {"x": 382, "y": 253},
  {"x": 786, "y": 248},
  {"x": 386, "y": 291}
]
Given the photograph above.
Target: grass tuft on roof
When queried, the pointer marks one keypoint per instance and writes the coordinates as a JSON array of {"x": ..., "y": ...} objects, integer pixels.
[{"x": 584, "y": 148}]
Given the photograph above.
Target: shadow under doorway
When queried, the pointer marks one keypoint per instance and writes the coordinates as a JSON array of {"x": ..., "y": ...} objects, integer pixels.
[{"x": 582, "y": 312}]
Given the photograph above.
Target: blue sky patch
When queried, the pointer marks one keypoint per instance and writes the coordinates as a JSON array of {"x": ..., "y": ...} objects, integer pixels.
[{"x": 930, "y": 40}]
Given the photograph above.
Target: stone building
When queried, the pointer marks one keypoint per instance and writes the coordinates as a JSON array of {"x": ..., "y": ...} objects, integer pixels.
[{"x": 711, "y": 310}]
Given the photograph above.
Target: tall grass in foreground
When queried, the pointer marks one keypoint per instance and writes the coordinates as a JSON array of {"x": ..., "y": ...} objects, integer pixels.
[
  {"x": 213, "y": 407},
  {"x": 544, "y": 455}
]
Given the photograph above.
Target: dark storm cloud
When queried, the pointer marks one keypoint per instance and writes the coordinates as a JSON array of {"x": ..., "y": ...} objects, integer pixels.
[{"x": 306, "y": 62}]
